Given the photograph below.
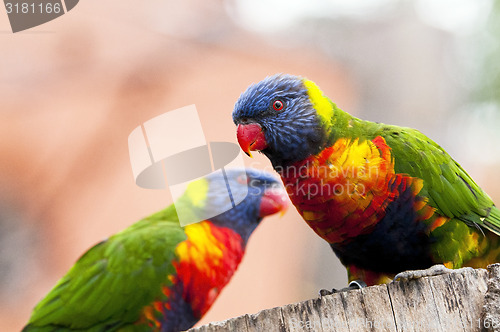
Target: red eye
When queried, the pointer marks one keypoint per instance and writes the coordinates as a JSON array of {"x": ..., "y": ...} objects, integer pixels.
[{"x": 278, "y": 105}]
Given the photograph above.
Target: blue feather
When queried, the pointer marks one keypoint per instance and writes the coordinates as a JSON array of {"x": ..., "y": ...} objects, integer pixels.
[{"x": 296, "y": 127}]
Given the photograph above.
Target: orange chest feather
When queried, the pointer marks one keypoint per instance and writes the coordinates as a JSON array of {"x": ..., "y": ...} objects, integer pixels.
[
  {"x": 344, "y": 190},
  {"x": 206, "y": 263}
]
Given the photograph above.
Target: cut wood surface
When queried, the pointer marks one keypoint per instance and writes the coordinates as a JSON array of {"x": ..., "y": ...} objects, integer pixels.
[{"x": 463, "y": 301}]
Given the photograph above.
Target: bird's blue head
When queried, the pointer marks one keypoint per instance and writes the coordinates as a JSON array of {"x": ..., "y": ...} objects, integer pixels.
[
  {"x": 253, "y": 195},
  {"x": 283, "y": 117}
]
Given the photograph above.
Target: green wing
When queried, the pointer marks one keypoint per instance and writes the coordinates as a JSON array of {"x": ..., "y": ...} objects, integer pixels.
[
  {"x": 446, "y": 184},
  {"x": 108, "y": 286}
]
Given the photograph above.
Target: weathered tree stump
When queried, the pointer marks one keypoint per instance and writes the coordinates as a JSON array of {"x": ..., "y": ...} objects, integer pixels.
[{"x": 466, "y": 301}]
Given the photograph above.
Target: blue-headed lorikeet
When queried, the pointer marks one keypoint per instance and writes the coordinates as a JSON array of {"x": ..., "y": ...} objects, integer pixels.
[
  {"x": 386, "y": 198},
  {"x": 156, "y": 275}
]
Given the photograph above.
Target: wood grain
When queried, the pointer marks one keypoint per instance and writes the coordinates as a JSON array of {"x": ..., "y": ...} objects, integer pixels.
[{"x": 468, "y": 300}]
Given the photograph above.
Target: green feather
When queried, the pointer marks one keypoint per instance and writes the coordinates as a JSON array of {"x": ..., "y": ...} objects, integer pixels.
[
  {"x": 108, "y": 286},
  {"x": 451, "y": 190},
  {"x": 447, "y": 186}
]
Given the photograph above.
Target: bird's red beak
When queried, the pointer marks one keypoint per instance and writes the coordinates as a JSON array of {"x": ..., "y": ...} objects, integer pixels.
[
  {"x": 251, "y": 138},
  {"x": 273, "y": 200}
]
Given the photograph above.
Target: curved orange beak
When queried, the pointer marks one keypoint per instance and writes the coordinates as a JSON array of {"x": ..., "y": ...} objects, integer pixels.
[{"x": 251, "y": 138}]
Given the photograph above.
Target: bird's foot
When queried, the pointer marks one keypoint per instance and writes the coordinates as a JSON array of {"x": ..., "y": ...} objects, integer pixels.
[
  {"x": 434, "y": 270},
  {"x": 355, "y": 284}
]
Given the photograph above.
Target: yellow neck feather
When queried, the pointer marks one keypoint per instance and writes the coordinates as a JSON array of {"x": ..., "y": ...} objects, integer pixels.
[{"x": 320, "y": 102}]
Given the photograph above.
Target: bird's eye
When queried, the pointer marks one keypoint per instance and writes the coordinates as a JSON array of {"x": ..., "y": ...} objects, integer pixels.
[{"x": 278, "y": 105}]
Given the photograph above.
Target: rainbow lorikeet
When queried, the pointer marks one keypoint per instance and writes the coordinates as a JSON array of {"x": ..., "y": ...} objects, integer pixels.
[
  {"x": 156, "y": 275},
  {"x": 386, "y": 198}
]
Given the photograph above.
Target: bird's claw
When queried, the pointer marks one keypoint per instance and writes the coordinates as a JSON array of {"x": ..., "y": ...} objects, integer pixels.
[
  {"x": 325, "y": 292},
  {"x": 355, "y": 284}
]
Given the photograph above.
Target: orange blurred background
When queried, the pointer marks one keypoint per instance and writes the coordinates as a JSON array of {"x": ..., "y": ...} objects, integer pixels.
[{"x": 73, "y": 89}]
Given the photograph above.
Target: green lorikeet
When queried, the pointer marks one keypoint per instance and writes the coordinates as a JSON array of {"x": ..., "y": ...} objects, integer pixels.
[
  {"x": 386, "y": 198},
  {"x": 156, "y": 275}
]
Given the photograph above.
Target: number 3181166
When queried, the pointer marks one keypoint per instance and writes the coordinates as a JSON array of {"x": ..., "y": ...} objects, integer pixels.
[{"x": 32, "y": 8}]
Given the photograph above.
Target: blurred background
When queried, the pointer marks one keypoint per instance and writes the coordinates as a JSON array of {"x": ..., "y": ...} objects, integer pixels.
[{"x": 73, "y": 89}]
